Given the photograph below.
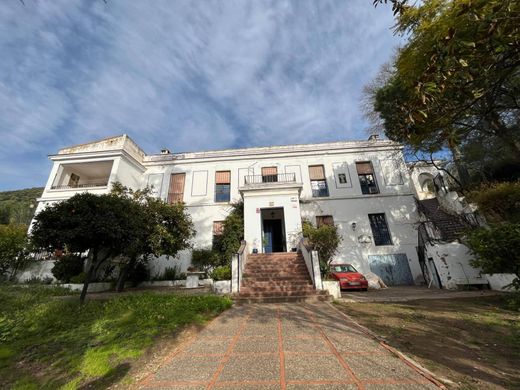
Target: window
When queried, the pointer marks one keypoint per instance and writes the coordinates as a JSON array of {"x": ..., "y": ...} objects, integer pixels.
[
  {"x": 380, "y": 229},
  {"x": 318, "y": 182},
  {"x": 269, "y": 174},
  {"x": 176, "y": 190},
  {"x": 324, "y": 220},
  {"x": 367, "y": 179},
  {"x": 74, "y": 180},
  {"x": 222, "y": 186},
  {"x": 218, "y": 230}
]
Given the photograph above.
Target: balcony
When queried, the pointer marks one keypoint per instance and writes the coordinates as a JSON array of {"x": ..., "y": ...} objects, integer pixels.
[
  {"x": 270, "y": 179},
  {"x": 82, "y": 175}
]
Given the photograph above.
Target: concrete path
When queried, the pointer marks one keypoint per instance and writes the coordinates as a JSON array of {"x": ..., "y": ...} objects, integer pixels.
[{"x": 284, "y": 346}]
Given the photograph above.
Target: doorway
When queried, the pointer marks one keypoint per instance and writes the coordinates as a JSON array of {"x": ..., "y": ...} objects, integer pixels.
[{"x": 273, "y": 230}]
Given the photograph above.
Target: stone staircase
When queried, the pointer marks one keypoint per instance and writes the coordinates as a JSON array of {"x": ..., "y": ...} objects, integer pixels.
[{"x": 277, "y": 277}]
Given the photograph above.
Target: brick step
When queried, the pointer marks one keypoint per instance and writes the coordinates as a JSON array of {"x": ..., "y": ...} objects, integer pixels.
[
  {"x": 276, "y": 272},
  {"x": 275, "y": 254},
  {"x": 267, "y": 294},
  {"x": 273, "y": 278},
  {"x": 276, "y": 263},
  {"x": 277, "y": 291},
  {"x": 303, "y": 298},
  {"x": 276, "y": 266},
  {"x": 256, "y": 283}
]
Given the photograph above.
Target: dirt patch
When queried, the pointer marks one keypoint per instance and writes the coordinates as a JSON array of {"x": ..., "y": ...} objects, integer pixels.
[{"x": 473, "y": 342}]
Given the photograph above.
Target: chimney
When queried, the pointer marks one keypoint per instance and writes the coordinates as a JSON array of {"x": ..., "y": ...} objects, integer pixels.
[
  {"x": 165, "y": 151},
  {"x": 373, "y": 137}
]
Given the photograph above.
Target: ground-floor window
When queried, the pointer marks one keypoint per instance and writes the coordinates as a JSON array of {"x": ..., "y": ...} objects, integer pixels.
[{"x": 380, "y": 230}]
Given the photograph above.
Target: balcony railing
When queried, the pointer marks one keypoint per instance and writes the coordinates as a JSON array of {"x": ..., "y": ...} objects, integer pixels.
[
  {"x": 278, "y": 178},
  {"x": 86, "y": 184}
]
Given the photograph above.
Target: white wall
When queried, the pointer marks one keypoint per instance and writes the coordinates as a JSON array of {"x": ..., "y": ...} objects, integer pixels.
[{"x": 452, "y": 263}]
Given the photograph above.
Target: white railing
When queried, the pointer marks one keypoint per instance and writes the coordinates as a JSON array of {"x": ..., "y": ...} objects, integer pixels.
[
  {"x": 312, "y": 261},
  {"x": 238, "y": 264}
]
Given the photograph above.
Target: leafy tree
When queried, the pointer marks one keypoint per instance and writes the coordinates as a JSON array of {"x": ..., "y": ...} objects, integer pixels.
[
  {"x": 457, "y": 75},
  {"x": 206, "y": 259},
  {"x": 18, "y": 206},
  {"x": 166, "y": 229},
  {"x": 103, "y": 225},
  {"x": 499, "y": 202},
  {"x": 324, "y": 239},
  {"x": 67, "y": 267},
  {"x": 14, "y": 249}
]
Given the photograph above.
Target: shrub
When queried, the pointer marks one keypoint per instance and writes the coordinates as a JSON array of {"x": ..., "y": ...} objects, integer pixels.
[
  {"x": 14, "y": 251},
  {"x": 324, "y": 239},
  {"x": 499, "y": 202},
  {"x": 139, "y": 273},
  {"x": 221, "y": 273},
  {"x": 67, "y": 267},
  {"x": 232, "y": 235},
  {"x": 79, "y": 278},
  {"x": 205, "y": 259}
]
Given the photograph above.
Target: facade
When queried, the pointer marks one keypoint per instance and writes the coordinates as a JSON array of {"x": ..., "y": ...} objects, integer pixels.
[{"x": 364, "y": 187}]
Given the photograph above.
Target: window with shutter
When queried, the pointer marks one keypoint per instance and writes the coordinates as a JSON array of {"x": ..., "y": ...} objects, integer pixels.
[
  {"x": 269, "y": 174},
  {"x": 380, "y": 230},
  {"x": 222, "y": 186},
  {"x": 176, "y": 190},
  {"x": 367, "y": 179},
  {"x": 318, "y": 181},
  {"x": 324, "y": 220}
]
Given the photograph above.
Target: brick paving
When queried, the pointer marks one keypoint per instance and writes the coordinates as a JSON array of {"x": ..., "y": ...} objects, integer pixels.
[{"x": 284, "y": 346}]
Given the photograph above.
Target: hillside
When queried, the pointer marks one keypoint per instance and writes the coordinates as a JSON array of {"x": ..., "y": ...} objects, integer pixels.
[{"x": 15, "y": 206}]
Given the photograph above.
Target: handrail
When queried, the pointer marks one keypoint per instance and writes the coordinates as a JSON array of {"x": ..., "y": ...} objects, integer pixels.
[
  {"x": 82, "y": 185},
  {"x": 275, "y": 178},
  {"x": 312, "y": 262}
]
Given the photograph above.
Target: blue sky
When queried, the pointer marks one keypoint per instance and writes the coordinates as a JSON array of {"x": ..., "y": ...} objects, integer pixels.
[{"x": 186, "y": 75}]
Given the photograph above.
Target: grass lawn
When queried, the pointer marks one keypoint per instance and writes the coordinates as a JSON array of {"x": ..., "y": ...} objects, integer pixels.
[
  {"x": 474, "y": 342},
  {"x": 52, "y": 342}
]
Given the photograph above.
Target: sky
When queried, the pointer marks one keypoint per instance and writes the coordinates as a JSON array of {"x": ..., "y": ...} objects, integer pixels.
[{"x": 183, "y": 75}]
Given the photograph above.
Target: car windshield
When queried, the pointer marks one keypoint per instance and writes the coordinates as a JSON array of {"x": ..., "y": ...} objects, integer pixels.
[{"x": 343, "y": 268}]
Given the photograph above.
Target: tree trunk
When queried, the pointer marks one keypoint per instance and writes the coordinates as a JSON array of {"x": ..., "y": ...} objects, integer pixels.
[
  {"x": 88, "y": 277},
  {"x": 124, "y": 274}
]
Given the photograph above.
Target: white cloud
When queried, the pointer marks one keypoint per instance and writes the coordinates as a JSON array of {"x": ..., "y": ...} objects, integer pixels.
[{"x": 186, "y": 75}]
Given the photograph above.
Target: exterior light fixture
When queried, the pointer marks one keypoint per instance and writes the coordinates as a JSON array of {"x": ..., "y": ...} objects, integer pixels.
[{"x": 353, "y": 225}]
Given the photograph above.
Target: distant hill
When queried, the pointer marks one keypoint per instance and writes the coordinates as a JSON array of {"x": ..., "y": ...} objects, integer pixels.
[{"x": 15, "y": 206}]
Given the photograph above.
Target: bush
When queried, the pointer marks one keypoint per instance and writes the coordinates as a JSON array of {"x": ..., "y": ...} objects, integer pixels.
[
  {"x": 14, "y": 249},
  {"x": 499, "y": 202},
  {"x": 228, "y": 243},
  {"x": 78, "y": 279},
  {"x": 139, "y": 273},
  {"x": 205, "y": 259},
  {"x": 221, "y": 273},
  {"x": 324, "y": 239},
  {"x": 67, "y": 267}
]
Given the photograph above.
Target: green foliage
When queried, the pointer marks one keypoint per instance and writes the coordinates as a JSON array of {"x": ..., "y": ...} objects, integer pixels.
[
  {"x": 79, "y": 278},
  {"x": 222, "y": 272},
  {"x": 324, "y": 239},
  {"x": 206, "y": 259},
  {"x": 68, "y": 267},
  {"x": 496, "y": 248},
  {"x": 18, "y": 206},
  {"x": 457, "y": 75},
  {"x": 500, "y": 202},
  {"x": 139, "y": 273},
  {"x": 170, "y": 273},
  {"x": 228, "y": 243},
  {"x": 14, "y": 249},
  {"x": 74, "y": 344}
]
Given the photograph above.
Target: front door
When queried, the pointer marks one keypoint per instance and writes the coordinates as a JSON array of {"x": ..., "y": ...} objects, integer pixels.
[{"x": 273, "y": 235}]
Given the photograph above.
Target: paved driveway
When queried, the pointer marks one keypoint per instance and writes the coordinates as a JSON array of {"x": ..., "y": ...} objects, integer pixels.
[{"x": 284, "y": 346}]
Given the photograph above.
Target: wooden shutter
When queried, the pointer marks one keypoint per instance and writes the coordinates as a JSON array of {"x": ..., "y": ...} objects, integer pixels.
[
  {"x": 176, "y": 190},
  {"x": 364, "y": 168},
  {"x": 324, "y": 220},
  {"x": 218, "y": 228},
  {"x": 223, "y": 177},
  {"x": 269, "y": 171},
  {"x": 317, "y": 172}
]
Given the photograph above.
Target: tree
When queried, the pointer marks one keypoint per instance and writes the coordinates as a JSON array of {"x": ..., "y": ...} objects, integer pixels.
[
  {"x": 325, "y": 239},
  {"x": 165, "y": 230},
  {"x": 228, "y": 243},
  {"x": 103, "y": 225},
  {"x": 14, "y": 249},
  {"x": 457, "y": 75}
]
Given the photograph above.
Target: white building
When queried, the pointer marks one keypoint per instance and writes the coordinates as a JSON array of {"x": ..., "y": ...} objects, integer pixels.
[{"x": 364, "y": 187}]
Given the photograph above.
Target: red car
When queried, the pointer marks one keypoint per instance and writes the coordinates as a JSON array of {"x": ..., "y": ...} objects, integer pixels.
[{"x": 348, "y": 277}]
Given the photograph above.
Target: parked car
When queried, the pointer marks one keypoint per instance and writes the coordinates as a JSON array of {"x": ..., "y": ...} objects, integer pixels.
[{"x": 349, "y": 278}]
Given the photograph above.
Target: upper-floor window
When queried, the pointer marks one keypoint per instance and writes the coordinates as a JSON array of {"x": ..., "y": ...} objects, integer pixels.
[
  {"x": 176, "y": 190},
  {"x": 318, "y": 181},
  {"x": 324, "y": 220},
  {"x": 269, "y": 174},
  {"x": 367, "y": 179},
  {"x": 222, "y": 186},
  {"x": 380, "y": 230}
]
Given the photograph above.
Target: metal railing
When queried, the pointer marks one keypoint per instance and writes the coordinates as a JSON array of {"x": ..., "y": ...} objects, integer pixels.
[
  {"x": 278, "y": 178},
  {"x": 86, "y": 184}
]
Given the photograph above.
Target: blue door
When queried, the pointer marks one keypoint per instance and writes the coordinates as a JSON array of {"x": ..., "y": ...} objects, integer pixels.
[
  {"x": 268, "y": 236},
  {"x": 273, "y": 236},
  {"x": 393, "y": 269}
]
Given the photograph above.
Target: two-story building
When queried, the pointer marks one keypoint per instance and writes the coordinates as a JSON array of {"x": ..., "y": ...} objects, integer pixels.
[{"x": 364, "y": 187}]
